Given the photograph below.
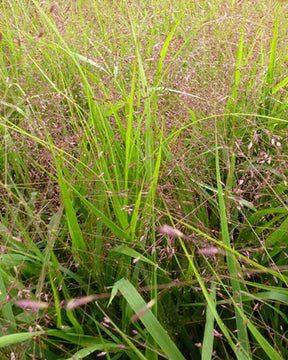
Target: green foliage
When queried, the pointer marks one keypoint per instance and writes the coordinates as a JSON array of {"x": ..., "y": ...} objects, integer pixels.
[{"x": 143, "y": 180}]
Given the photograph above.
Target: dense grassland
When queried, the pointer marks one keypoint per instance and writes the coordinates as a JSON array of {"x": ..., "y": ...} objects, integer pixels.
[{"x": 143, "y": 179}]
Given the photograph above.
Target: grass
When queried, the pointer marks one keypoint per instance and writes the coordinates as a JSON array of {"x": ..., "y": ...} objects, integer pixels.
[{"x": 143, "y": 180}]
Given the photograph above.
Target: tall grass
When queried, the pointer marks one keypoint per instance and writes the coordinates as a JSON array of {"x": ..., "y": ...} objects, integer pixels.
[{"x": 143, "y": 180}]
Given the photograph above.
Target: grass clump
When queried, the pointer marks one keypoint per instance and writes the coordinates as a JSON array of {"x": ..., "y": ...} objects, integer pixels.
[{"x": 143, "y": 184}]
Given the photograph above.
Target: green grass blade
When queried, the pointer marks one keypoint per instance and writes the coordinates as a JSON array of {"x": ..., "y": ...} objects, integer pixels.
[
  {"x": 266, "y": 346},
  {"x": 273, "y": 49},
  {"x": 83, "y": 353},
  {"x": 105, "y": 219},
  {"x": 240, "y": 353},
  {"x": 125, "y": 250},
  {"x": 268, "y": 87},
  {"x": 208, "y": 339},
  {"x": 6, "y": 310},
  {"x": 164, "y": 51},
  {"x": 150, "y": 322},
  {"x": 12, "y": 339},
  {"x": 78, "y": 243},
  {"x": 282, "y": 84},
  {"x": 233, "y": 266},
  {"x": 269, "y": 350}
]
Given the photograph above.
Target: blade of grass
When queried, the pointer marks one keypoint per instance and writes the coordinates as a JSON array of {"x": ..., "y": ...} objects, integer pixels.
[
  {"x": 164, "y": 50},
  {"x": 6, "y": 310},
  {"x": 239, "y": 352},
  {"x": 269, "y": 350},
  {"x": 233, "y": 266},
  {"x": 271, "y": 68},
  {"x": 8, "y": 340},
  {"x": 103, "y": 348},
  {"x": 208, "y": 339},
  {"x": 230, "y": 250},
  {"x": 78, "y": 243},
  {"x": 151, "y": 323},
  {"x": 125, "y": 250}
]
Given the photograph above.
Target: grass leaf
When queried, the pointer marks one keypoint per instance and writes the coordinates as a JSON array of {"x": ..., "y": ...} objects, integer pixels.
[{"x": 150, "y": 322}]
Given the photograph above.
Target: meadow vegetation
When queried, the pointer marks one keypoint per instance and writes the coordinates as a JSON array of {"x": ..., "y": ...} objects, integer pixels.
[{"x": 143, "y": 179}]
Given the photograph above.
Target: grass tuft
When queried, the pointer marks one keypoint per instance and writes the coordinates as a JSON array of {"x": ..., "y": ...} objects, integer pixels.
[{"x": 143, "y": 180}]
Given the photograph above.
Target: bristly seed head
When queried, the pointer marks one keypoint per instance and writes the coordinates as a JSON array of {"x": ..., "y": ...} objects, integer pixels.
[
  {"x": 210, "y": 251},
  {"x": 32, "y": 305},
  {"x": 103, "y": 353},
  {"x": 170, "y": 231},
  {"x": 75, "y": 303}
]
